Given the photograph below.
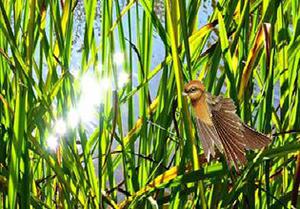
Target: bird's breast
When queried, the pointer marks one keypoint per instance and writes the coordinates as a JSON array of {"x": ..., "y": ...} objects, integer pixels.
[{"x": 202, "y": 110}]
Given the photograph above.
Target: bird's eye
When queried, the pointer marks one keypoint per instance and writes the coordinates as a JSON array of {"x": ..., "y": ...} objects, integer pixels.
[{"x": 193, "y": 89}]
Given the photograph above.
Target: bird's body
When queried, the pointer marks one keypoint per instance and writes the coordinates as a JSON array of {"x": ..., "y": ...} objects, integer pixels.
[{"x": 219, "y": 126}]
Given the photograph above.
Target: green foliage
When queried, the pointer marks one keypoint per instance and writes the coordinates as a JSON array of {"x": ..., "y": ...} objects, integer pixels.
[{"x": 248, "y": 50}]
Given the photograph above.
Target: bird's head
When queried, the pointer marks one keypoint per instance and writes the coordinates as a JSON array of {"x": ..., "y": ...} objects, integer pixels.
[{"x": 194, "y": 90}]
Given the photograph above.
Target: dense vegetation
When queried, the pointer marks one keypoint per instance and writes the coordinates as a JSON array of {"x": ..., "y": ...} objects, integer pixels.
[{"x": 144, "y": 151}]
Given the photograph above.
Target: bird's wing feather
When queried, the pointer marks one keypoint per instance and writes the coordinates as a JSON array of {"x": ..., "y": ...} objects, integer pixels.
[
  {"x": 229, "y": 128},
  {"x": 209, "y": 137},
  {"x": 254, "y": 139},
  {"x": 230, "y": 135}
]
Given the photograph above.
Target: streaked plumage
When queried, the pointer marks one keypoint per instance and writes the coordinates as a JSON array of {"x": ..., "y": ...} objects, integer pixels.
[{"x": 219, "y": 126}]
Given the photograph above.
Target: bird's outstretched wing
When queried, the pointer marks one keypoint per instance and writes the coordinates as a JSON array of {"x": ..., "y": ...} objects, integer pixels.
[
  {"x": 209, "y": 138},
  {"x": 227, "y": 132},
  {"x": 254, "y": 139},
  {"x": 229, "y": 128}
]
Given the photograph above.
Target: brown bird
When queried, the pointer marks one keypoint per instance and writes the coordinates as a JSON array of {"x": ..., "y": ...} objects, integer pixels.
[{"x": 219, "y": 125}]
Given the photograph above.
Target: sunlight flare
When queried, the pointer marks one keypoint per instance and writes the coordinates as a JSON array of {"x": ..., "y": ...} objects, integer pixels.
[
  {"x": 123, "y": 79},
  {"x": 60, "y": 127},
  {"x": 90, "y": 91},
  {"x": 85, "y": 110},
  {"x": 119, "y": 58},
  {"x": 73, "y": 118},
  {"x": 52, "y": 142},
  {"x": 105, "y": 84}
]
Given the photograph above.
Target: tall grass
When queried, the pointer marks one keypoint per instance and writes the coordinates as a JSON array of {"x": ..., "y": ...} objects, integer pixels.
[{"x": 144, "y": 151}]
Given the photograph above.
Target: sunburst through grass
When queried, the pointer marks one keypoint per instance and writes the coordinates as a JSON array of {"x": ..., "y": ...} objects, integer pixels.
[{"x": 116, "y": 132}]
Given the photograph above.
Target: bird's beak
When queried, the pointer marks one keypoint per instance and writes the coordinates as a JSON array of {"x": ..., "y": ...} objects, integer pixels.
[{"x": 184, "y": 94}]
